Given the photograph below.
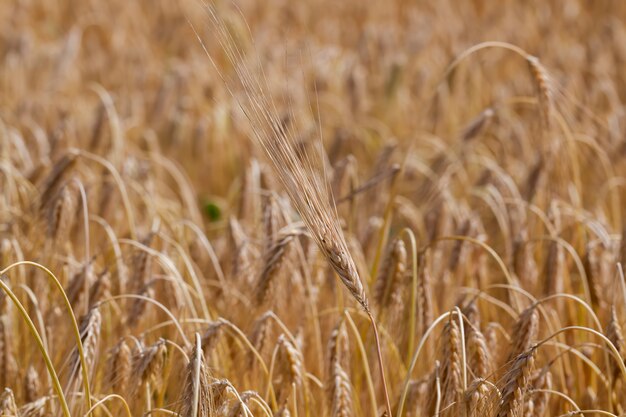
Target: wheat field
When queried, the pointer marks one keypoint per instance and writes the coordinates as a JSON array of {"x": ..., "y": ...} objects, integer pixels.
[{"x": 312, "y": 208}]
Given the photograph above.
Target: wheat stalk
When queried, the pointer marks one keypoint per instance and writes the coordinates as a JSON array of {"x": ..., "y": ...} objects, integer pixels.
[{"x": 301, "y": 175}]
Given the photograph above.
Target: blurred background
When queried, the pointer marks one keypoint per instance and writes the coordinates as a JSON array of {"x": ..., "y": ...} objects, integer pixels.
[{"x": 502, "y": 122}]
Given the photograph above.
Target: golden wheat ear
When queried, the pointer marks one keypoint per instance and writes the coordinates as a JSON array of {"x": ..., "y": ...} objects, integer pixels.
[{"x": 302, "y": 174}]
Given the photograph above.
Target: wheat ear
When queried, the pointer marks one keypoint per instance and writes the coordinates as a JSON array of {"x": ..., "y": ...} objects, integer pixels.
[
  {"x": 305, "y": 183},
  {"x": 196, "y": 395},
  {"x": 515, "y": 384},
  {"x": 615, "y": 335}
]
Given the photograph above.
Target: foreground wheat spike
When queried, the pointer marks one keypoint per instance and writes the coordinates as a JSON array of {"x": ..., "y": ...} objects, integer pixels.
[{"x": 301, "y": 174}]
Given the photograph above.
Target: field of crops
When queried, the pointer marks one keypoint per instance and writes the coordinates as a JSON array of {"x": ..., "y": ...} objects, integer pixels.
[{"x": 312, "y": 208}]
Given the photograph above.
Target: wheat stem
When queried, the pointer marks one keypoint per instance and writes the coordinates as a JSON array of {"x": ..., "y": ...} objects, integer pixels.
[
  {"x": 31, "y": 326},
  {"x": 108, "y": 398},
  {"x": 366, "y": 366},
  {"x": 380, "y": 362},
  {"x": 407, "y": 379},
  {"x": 68, "y": 307}
]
